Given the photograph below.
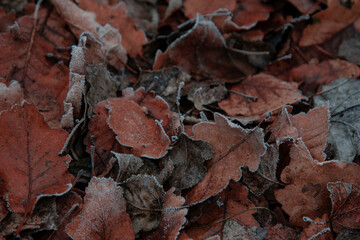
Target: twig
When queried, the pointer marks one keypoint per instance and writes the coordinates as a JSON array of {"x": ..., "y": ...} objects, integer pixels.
[
  {"x": 252, "y": 98},
  {"x": 330, "y": 89},
  {"x": 249, "y": 52}
]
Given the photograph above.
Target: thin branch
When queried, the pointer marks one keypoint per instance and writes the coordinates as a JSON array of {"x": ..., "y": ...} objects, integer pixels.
[{"x": 252, "y": 98}]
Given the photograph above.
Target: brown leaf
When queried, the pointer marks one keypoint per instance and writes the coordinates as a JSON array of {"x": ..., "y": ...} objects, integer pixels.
[
  {"x": 271, "y": 93},
  {"x": 117, "y": 17},
  {"x": 202, "y": 51},
  {"x": 259, "y": 181},
  {"x": 140, "y": 121},
  {"x": 311, "y": 127},
  {"x": 306, "y": 6},
  {"x": 233, "y": 201},
  {"x": 193, "y": 7},
  {"x": 103, "y": 215},
  {"x": 172, "y": 219},
  {"x": 143, "y": 202},
  {"x": 33, "y": 167},
  {"x": 187, "y": 158},
  {"x": 306, "y": 194},
  {"x": 330, "y": 21},
  {"x": 345, "y": 199},
  {"x": 309, "y": 76},
  {"x": 315, "y": 227},
  {"x": 280, "y": 232},
  {"x": 128, "y": 166},
  {"x": 234, "y": 147},
  {"x": 249, "y": 12}
]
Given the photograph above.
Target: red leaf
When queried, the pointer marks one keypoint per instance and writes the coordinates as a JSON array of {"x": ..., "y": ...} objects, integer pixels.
[
  {"x": 103, "y": 215},
  {"x": 134, "y": 129},
  {"x": 234, "y": 147},
  {"x": 345, "y": 199},
  {"x": 117, "y": 17},
  {"x": 330, "y": 21},
  {"x": 272, "y": 94},
  {"x": 312, "y": 128},
  {"x": 10, "y": 95},
  {"x": 306, "y": 194},
  {"x": 29, "y": 153}
]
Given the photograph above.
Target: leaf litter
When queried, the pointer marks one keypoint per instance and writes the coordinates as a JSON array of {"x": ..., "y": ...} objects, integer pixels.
[{"x": 179, "y": 119}]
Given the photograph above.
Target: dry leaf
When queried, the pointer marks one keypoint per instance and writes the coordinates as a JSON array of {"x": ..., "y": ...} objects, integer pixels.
[
  {"x": 280, "y": 232},
  {"x": 103, "y": 215},
  {"x": 10, "y": 95},
  {"x": 305, "y": 193},
  {"x": 193, "y": 7},
  {"x": 271, "y": 93},
  {"x": 33, "y": 167},
  {"x": 234, "y": 147}
]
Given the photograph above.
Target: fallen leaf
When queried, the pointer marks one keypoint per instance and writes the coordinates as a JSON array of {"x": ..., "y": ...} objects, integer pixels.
[
  {"x": 280, "y": 232},
  {"x": 143, "y": 203},
  {"x": 234, "y": 230},
  {"x": 316, "y": 226},
  {"x": 332, "y": 20},
  {"x": 193, "y": 7},
  {"x": 103, "y": 215},
  {"x": 128, "y": 166},
  {"x": 350, "y": 50},
  {"x": 249, "y": 12},
  {"x": 343, "y": 97},
  {"x": 172, "y": 218},
  {"x": 265, "y": 176},
  {"x": 271, "y": 93},
  {"x": 234, "y": 147},
  {"x": 187, "y": 158},
  {"x": 310, "y": 76},
  {"x": 232, "y": 203},
  {"x": 306, "y": 6},
  {"x": 191, "y": 53},
  {"x": 33, "y": 167},
  {"x": 311, "y": 127},
  {"x": 135, "y": 125},
  {"x": 10, "y": 95},
  {"x": 305, "y": 193},
  {"x": 345, "y": 199}
]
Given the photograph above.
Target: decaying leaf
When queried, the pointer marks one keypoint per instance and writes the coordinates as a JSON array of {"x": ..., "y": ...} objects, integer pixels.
[
  {"x": 172, "y": 219},
  {"x": 31, "y": 167},
  {"x": 187, "y": 158},
  {"x": 306, "y": 193},
  {"x": 143, "y": 203},
  {"x": 280, "y": 232},
  {"x": 202, "y": 51},
  {"x": 271, "y": 94},
  {"x": 345, "y": 199},
  {"x": 128, "y": 166},
  {"x": 312, "y": 128},
  {"x": 234, "y": 230},
  {"x": 343, "y": 96},
  {"x": 350, "y": 49},
  {"x": 315, "y": 228},
  {"x": 335, "y": 18},
  {"x": 234, "y": 147},
  {"x": 103, "y": 215}
]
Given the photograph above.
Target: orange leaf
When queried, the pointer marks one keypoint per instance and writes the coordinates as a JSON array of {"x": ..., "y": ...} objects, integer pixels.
[
  {"x": 103, "y": 215},
  {"x": 306, "y": 194},
  {"x": 272, "y": 94},
  {"x": 234, "y": 147},
  {"x": 29, "y": 158},
  {"x": 332, "y": 20}
]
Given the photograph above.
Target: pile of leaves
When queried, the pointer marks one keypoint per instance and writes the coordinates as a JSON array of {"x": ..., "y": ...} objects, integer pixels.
[{"x": 179, "y": 119}]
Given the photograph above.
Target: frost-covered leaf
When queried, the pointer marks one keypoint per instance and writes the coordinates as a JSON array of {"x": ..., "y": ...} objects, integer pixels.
[
  {"x": 103, "y": 215},
  {"x": 234, "y": 147}
]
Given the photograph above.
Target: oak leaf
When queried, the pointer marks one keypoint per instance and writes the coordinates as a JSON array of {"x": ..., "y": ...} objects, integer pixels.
[
  {"x": 332, "y": 20},
  {"x": 234, "y": 147},
  {"x": 271, "y": 93},
  {"x": 103, "y": 215},
  {"x": 306, "y": 194},
  {"x": 33, "y": 167},
  {"x": 345, "y": 199},
  {"x": 311, "y": 127}
]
